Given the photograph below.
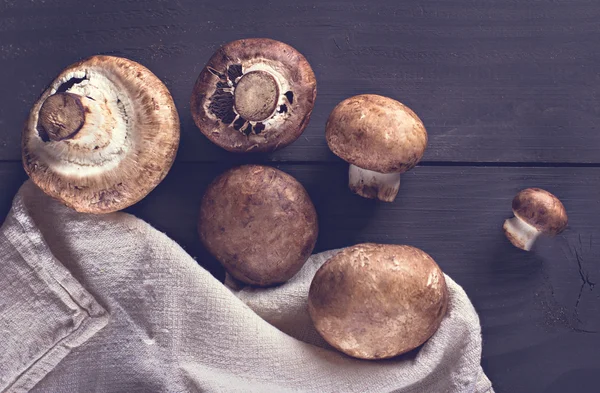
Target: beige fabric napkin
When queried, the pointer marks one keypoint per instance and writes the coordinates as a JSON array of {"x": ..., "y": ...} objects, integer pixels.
[{"x": 109, "y": 304}]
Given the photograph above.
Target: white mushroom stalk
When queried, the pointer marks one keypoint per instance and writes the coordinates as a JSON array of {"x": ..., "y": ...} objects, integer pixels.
[
  {"x": 520, "y": 233},
  {"x": 371, "y": 184}
]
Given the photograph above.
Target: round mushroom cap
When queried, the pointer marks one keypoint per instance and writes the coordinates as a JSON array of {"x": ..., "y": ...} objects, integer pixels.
[
  {"x": 375, "y": 301},
  {"x": 376, "y": 133},
  {"x": 254, "y": 95},
  {"x": 259, "y": 222},
  {"x": 540, "y": 209},
  {"x": 102, "y": 135}
]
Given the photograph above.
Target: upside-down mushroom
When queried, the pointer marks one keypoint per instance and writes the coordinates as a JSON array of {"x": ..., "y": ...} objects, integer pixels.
[
  {"x": 102, "y": 135},
  {"x": 254, "y": 95}
]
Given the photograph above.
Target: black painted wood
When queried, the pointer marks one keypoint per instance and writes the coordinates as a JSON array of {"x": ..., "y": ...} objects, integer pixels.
[
  {"x": 493, "y": 80},
  {"x": 513, "y": 83},
  {"x": 540, "y": 311},
  {"x": 12, "y": 176}
]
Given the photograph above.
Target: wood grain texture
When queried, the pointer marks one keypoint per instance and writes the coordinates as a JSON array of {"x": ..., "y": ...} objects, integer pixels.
[
  {"x": 512, "y": 83},
  {"x": 540, "y": 311},
  {"x": 493, "y": 80}
]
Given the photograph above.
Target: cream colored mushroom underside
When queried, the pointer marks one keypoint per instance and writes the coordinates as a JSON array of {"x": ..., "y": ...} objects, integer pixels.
[{"x": 96, "y": 149}]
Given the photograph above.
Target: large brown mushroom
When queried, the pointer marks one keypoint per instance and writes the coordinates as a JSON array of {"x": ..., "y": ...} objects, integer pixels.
[
  {"x": 380, "y": 138},
  {"x": 259, "y": 222},
  {"x": 102, "y": 135},
  {"x": 254, "y": 95},
  {"x": 376, "y": 301},
  {"x": 537, "y": 212}
]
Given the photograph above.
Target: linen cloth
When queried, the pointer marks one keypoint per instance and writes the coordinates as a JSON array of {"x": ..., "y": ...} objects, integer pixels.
[{"x": 109, "y": 304}]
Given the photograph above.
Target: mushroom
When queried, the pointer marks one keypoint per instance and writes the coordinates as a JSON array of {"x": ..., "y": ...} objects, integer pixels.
[
  {"x": 102, "y": 135},
  {"x": 377, "y": 301},
  {"x": 380, "y": 138},
  {"x": 537, "y": 212},
  {"x": 259, "y": 222},
  {"x": 254, "y": 95}
]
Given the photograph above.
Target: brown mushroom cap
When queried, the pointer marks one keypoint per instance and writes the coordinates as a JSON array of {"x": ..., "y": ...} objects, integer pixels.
[
  {"x": 102, "y": 135},
  {"x": 254, "y": 95},
  {"x": 375, "y": 301},
  {"x": 376, "y": 133},
  {"x": 259, "y": 222},
  {"x": 540, "y": 209}
]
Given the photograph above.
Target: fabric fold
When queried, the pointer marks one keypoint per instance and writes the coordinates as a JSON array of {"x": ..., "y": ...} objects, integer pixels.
[
  {"x": 174, "y": 328},
  {"x": 44, "y": 311}
]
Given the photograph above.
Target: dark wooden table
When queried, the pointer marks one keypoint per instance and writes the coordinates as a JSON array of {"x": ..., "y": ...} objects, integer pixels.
[{"x": 509, "y": 91}]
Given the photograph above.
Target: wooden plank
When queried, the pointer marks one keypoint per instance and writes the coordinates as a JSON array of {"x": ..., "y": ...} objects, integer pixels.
[
  {"x": 540, "y": 311},
  {"x": 493, "y": 80},
  {"x": 12, "y": 176},
  {"x": 540, "y": 318}
]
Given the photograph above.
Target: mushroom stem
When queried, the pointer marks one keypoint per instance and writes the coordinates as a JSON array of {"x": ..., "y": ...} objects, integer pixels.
[
  {"x": 371, "y": 184},
  {"x": 62, "y": 115},
  {"x": 520, "y": 233},
  {"x": 256, "y": 95}
]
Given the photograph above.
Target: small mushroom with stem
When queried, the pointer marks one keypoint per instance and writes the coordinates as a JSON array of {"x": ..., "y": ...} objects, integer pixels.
[
  {"x": 102, "y": 135},
  {"x": 259, "y": 222},
  {"x": 254, "y": 95},
  {"x": 377, "y": 301},
  {"x": 536, "y": 212},
  {"x": 380, "y": 138}
]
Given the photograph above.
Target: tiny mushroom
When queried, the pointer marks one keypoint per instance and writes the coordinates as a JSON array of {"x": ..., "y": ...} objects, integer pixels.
[
  {"x": 380, "y": 138},
  {"x": 537, "y": 212},
  {"x": 259, "y": 222},
  {"x": 102, "y": 135},
  {"x": 254, "y": 95},
  {"x": 377, "y": 301}
]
